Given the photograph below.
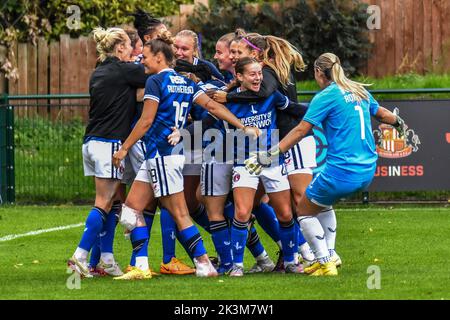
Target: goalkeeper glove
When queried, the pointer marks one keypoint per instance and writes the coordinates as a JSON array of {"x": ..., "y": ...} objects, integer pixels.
[
  {"x": 260, "y": 160},
  {"x": 400, "y": 126}
]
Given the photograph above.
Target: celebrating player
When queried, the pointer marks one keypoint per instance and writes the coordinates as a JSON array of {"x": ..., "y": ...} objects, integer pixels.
[
  {"x": 167, "y": 100},
  {"x": 112, "y": 88},
  {"x": 277, "y": 57},
  {"x": 343, "y": 107},
  {"x": 274, "y": 179}
]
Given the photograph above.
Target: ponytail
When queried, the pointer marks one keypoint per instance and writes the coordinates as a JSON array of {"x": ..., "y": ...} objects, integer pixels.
[
  {"x": 281, "y": 56},
  {"x": 330, "y": 65}
]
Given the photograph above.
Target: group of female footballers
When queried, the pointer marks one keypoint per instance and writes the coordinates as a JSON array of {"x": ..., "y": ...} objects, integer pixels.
[{"x": 223, "y": 147}]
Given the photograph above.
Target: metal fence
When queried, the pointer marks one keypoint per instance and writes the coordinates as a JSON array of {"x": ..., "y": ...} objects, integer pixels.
[{"x": 40, "y": 150}]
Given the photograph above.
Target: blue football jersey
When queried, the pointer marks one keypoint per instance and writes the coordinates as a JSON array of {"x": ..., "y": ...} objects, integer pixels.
[
  {"x": 175, "y": 95},
  {"x": 346, "y": 122},
  {"x": 258, "y": 114},
  {"x": 198, "y": 112}
]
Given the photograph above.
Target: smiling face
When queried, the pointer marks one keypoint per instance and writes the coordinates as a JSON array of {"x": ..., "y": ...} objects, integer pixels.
[
  {"x": 184, "y": 48},
  {"x": 234, "y": 46},
  {"x": 223, "y": 56},
  {"x": 151, "y": 62},
  {"x": 251, "y": 78}
]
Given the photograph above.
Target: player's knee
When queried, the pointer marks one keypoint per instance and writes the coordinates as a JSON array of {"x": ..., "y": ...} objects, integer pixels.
[
  {"x": 242, "y": 214},
  {"x": 103, "y": 203},
  {"x": 284, "y": 214}
]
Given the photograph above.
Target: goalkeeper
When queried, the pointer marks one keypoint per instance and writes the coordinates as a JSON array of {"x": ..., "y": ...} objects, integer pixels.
[{"x": 343, "y": 107}]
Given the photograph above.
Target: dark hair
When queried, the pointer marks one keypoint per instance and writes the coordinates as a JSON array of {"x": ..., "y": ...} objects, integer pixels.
[
  {"x": 242, "y": 63},
  {"x": 255, "y": 41},
  {"x": 132, "y": 34},
  {"x": 162, "y": 43},
  {"x": 145, "y": 23},
  {"x": 201, "y": 71}
]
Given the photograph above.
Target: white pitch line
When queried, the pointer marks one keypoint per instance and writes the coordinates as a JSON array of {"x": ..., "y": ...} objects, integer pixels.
[{"x": 33, "y": 233}]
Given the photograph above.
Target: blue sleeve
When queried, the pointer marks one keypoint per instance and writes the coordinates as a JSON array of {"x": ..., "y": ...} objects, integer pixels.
[
  {"x": 280, "y": 100},
  {"x": 373, "y": 105},
  {"x": 197, "y": 112},
  {"x": 318, "y": 109},
  {"x": 152, "y": 89},
  {"x": 197, "y": 91}
]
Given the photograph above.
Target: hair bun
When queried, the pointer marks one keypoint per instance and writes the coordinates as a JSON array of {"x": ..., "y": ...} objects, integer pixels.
[
  {"x": 165, "y": 36},
  {"x": 99, "y": 34},
  {"x": 239, "y": 32}
]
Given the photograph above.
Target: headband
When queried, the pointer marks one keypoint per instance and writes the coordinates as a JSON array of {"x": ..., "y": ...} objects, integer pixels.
[{"x": 251, "y": 44}]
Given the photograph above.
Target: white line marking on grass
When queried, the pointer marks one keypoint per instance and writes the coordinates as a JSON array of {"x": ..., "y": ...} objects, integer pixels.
[{"x": 33, "y": 233}]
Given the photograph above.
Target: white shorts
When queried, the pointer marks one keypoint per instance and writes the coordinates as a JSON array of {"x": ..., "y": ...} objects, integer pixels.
[
  {"x": 274, "y": 179},
  {"x": 301, "y": 158},
  {"x": 164, "y": 174},
  {"x": 193, "y": 163},
  {"x": 215, "y": 178},
  {"x": 133, "y": 162},
  {"x": 97, "y": 159}
]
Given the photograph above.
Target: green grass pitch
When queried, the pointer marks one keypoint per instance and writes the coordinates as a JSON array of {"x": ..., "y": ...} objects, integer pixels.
[{"x": 409, "y": 245}]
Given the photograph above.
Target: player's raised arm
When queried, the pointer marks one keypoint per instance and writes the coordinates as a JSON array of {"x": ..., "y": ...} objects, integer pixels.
[
  {"x": 385, "y": 116},
  {"x": 294, "y": 136},
  {"x": 221, "y": 112}
]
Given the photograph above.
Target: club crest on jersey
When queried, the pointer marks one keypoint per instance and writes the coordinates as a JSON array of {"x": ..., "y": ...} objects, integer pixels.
[
  {"x": 391, "y": 145},
  {"x": 287, "y": 158},
  {"x": 236, "y": 177}
]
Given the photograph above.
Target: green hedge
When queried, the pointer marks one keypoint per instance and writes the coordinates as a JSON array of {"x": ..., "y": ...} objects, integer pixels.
[{"x": 337, "y": 26}]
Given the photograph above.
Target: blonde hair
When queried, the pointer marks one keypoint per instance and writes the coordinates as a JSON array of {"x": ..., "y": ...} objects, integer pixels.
[
  {"x": 107, "y": 40},
  {"x": 330, "y": 65},
  {"x": 193, "y": 36},
  {"x": 281, "y": 56},
  {"x": 278, "y": 54}
]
